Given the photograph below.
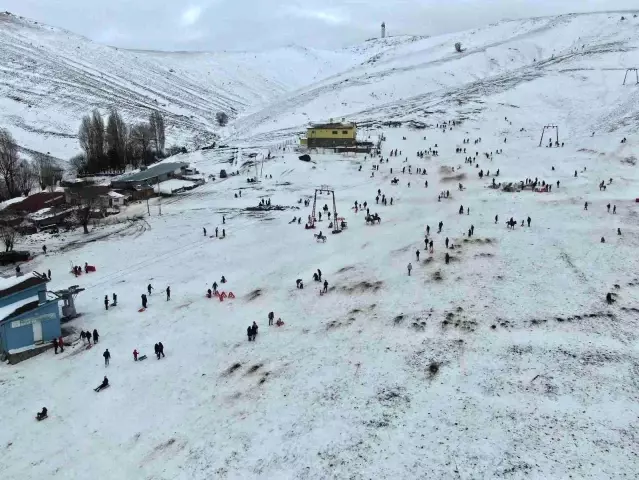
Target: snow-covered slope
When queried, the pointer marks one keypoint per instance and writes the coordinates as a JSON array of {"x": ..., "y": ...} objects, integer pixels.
[
  {"x": 505, "y": 363},
  {"x": 549, "y": 64},
  {"x": 49, "y": 78}
]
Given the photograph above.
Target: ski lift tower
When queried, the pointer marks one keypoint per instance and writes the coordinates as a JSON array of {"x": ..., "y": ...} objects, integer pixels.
[
  {"x": 329, "y": 191},
  {"x": 630, "y": 70},
  {"x": 68, "y": 297},
  {"x": 549, "y": 127}
]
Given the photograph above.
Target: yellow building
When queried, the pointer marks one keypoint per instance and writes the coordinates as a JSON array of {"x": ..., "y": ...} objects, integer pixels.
[{"x": 330, "y": 135}]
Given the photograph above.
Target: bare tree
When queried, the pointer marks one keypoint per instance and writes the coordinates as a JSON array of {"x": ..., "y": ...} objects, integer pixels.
[
  {"x": 26, "y": 177},
  {"x": 8, "y": 235},
  {"x": 156, "y": 125},
  {"x": 87, "y": 203},
  {"x": 141, "y": 138},
  {"x": 97, "y": 125},
  {"x": 222, "y": 118},
  {"x": 78, "y": 163},
  {"x": 9, "y": 160},
  {"x": 116, "y": 140},
  {"x": 91, "y": 137},
  {"x": 47, "y": 171}
]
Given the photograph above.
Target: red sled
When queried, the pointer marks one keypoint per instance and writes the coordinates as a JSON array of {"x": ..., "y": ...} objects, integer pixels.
[
  {"x": 90, "y": 268},
  {"x": 141, "y": 310},
  {"x": 231, "y": 295},
  {"x": 223, "y": 295}
]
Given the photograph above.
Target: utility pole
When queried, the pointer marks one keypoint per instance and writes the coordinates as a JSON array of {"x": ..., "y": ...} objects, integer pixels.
[{"x": 159, "y": 197}]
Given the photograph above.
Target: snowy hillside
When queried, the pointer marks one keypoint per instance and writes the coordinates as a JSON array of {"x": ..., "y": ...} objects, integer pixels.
[
  {"x": 551, "y": 64},
  {"x": 50, "y": 78},
  {"x": 498, "y": 357}
]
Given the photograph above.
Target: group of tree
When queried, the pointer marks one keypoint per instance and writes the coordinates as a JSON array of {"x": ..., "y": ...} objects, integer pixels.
[
  {"x": 112, "y": 146},
  {"x": 18, "y": 176}
]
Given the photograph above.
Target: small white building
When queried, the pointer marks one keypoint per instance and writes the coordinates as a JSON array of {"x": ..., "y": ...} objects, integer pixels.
[{"x": 114, "y": 199}]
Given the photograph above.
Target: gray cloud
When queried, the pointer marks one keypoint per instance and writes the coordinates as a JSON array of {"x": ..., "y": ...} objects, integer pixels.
[{"x": 259, "y": 24}]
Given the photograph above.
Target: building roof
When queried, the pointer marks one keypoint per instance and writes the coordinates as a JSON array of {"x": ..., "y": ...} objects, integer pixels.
[
  {"x": 11, "y": 285},
  {"x": 113, "y": 194},
  {"x": 333, "y": 125},
  {"x": 37, "y": 201},
  {"x": 11, "y": 310},
  {"x": 149, "y": 173}
]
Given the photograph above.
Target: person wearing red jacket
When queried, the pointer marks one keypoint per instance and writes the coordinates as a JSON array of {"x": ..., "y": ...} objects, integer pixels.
[
  {"x": 61, "y": 344},
  {"x": 135, "y": 355}
]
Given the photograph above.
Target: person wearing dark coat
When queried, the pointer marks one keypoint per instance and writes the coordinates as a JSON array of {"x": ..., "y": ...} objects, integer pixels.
[
  {"x": 49, "y": 274},
  {"x": 254, "y": 330},
  {"x": 160, "y": 350},
  {"x": 107, "y": 357},
  {"x": 325, "y": 286},
  {"x": 106, "y": 302},
  {"x": 214, "y": 287},
  {"x": 149, "y": 288},
  {"x": 83, "y": 336},
  {"x": 528, "y": 220},
  {"x": 156, "y": 349},
  {"x": 417, "y": 254},
  {"x": 271, "y": 317},
  {"x": 144, "y": 301},
  {"x": 96, "y": 336},
  {"x": 87, "y": 335},
  {"x": 168, "y": 293},
  {"x": 55, "y": 345},
  {"x": 249, "y": 332},
  {"x": 43, "y": 414},
  {"x": 447, "y": 258},
  {"x": 446, "y": 242},
  {"x": 103, "y": 385},
  {"x": 115, "y": 299}
]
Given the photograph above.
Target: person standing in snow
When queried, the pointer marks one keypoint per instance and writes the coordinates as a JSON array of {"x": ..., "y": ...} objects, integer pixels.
[
  {"x": 446, "y": 242},
  {"x": 249, "y": 332},
  {"x": 417, "y": 254},
  {"x": 216, "y": 232},
  {"x": 214, "y": 287},
  {"x": 254, "y": 330},
  {"x": 496, "y": 219},
  {"x": 144, "y": 301},
  {"x": 430, "y": 245},
  {"x": 149, "y": 288},
  {"x": 325, "y": 286},
  {"x": 61, "y": 344},
  {"x": 107, "y": 357},
  {"x": 106, "y": 302},
  {"x": 44, "y": 249},
  {"x": 160, "y": 350},
  {"x": 83, "y": 336},
  {"x": 168, "y": 293},
  {"x": 447, "y": 258},
  {"x": 271, "y": 317},
  {"x": 115, "y": 300},
  {"x": 87, "y": 334},
  {"x": 441, "y": 225},
  {"x": 55, "y": 345},
  {"x": 96, "y": 336},
  {"x": 135, "y": 355},
  {"x": 410, "y": 268},
  {"x": 528, "y": 220}
]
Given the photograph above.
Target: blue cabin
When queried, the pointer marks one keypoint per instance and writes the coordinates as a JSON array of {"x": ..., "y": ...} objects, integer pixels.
[{"x": 27, "y": 317}]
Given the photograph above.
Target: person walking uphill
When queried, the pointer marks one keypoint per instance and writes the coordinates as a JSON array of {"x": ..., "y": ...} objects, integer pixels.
[
  {"x": 107, "y": 357},
  {"x": 410, "y": 267}
]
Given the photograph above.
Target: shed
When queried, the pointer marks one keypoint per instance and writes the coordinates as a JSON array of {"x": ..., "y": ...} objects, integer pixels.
[{"x": 27, "y": 317}]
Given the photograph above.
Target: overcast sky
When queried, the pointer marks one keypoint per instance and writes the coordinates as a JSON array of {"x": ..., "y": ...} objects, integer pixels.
[{"x": 258, "y": 24}]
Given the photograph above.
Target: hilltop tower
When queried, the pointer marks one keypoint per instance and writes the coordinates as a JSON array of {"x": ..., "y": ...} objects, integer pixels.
[{"x": 383, "y": 29}]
